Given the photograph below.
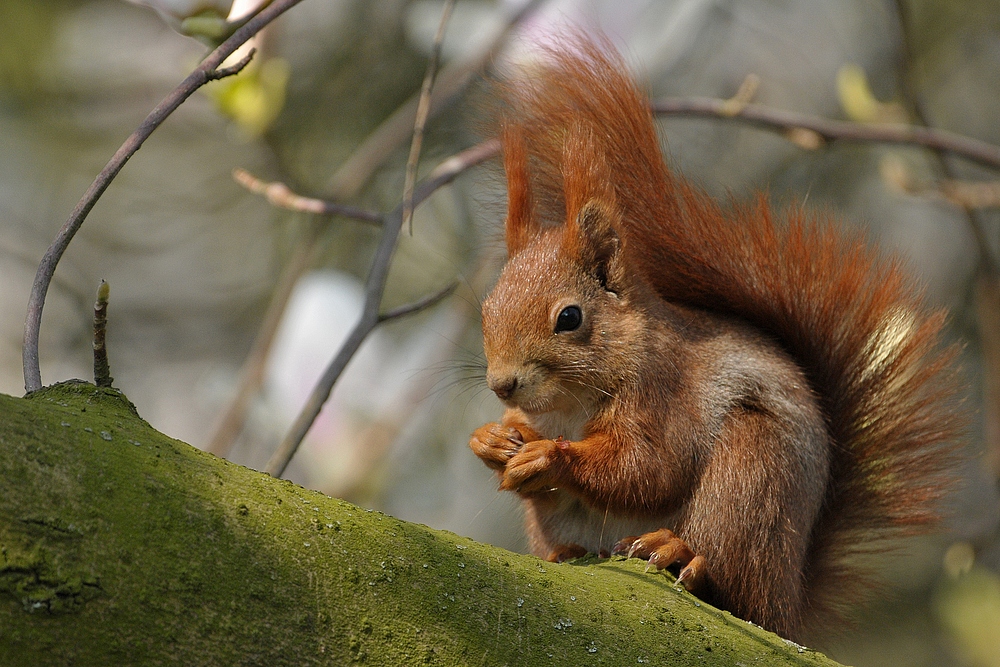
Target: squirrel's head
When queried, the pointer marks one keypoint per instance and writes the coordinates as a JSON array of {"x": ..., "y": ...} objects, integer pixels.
[{"x": 560, "y": 325}]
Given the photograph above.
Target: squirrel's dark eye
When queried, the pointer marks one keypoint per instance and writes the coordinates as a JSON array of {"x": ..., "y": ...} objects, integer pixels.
[{"x": 569, "y": 319}]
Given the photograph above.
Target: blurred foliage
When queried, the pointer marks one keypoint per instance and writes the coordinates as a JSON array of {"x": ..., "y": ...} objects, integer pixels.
[
  {"x": 27, "y": 41},
  {"x": 969, "y": 609},
  {"x": 255, "y": 97},
  {"x": 937, "y": 27},
  {"x": 859, "y": 102}
]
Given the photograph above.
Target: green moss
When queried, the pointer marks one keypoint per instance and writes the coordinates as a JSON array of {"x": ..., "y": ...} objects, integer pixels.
[{"x": 120, "y": 545}]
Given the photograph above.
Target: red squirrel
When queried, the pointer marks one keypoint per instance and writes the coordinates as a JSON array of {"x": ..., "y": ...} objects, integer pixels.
[{"x": 753, "y": 396}]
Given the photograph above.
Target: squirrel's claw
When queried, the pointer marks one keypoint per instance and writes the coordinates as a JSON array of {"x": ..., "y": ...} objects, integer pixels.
[
  {"x": 661, "y": 549},
  {"x": 694, "y": 574},
  {"x": 624, "y": 546},
  {"x": 674, "y": 551}
]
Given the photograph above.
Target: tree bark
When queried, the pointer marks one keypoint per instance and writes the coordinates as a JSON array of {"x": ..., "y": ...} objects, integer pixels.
[{"x": 119, "y": 545}]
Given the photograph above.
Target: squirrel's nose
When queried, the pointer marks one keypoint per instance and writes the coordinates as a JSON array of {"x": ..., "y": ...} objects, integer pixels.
[{"x": 503, "y": 387}]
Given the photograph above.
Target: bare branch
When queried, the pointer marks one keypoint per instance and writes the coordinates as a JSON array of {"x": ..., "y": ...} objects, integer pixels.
[
  {"x": 374, "y": 287},
  {"x": 280, "y": 195},
  {"x": 205, "y": 72},
  {"x": 423, "y": 110},
  {"x": 223, "y": 72},
  {"x": 776, "y": 119},
  {"x": 102, "y": 370},
  {"x": 418, "y": 305}
]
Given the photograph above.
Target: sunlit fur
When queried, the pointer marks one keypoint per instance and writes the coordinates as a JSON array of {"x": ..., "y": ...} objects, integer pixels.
[{"x": 772, "y": 390}]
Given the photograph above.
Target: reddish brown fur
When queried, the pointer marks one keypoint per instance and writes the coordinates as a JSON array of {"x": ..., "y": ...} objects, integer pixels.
[{"x": 773, "y": 391}]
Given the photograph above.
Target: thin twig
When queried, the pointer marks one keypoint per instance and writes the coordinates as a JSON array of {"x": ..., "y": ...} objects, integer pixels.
[
  {"x": 418, "y": 305},
  {"x": 394, "y": 130},
  {"x": 102, "y": 370},
  {"x": 374, "y": 287},
  {"x": 777, "y": 119},
  {"x": 223, "y": 72},
  {"x": 205, "y": 72},
  {"x": 280, "y": 195},
  {"x": 423, "y": 110}
]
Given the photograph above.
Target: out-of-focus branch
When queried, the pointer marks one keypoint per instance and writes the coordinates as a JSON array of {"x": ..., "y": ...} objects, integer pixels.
[
  {"x": 987, "y": 282},
  {"x": 278, "y": 194},
  {"x": 423, "y": 110},
  {"x": 387, "y": 137},
  {"x": 374, "y": 287},
  {"x": 418, "y": 305},
  {"x": 208, "y": 70},
  {"x": 282, "y": 196},
  {"x": 831, "y": 130},
  {"x": 915, "y": 107}
]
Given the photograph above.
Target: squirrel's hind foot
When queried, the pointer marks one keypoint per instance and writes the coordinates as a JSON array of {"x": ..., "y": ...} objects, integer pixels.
[{"x": 662, "y": 549}]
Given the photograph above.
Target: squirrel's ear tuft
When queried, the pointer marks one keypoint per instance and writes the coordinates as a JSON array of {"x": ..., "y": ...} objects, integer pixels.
[
  {"x": 593, "y": 239},
  {"x": 521, "y": 225},
  {"x": 591, "y": 206}
]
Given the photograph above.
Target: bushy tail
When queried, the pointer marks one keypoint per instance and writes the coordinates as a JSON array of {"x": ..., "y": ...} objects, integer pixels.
[{"x": 853, "y": 319}]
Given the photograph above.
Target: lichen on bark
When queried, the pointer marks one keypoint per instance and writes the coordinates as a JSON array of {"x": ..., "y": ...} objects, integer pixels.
[{"x": 119, "y": 545}]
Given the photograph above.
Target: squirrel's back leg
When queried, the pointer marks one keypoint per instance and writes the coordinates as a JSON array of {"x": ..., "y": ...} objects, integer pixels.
[
  {"x": 754, "y": 510},
  {"x": 741, "y": 542}
]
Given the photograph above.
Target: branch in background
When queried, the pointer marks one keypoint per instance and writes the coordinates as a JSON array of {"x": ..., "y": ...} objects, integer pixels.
[
  {"x": 387, "y": 137},
  {"x": 916, "y": 108},
  {"x": 231, "y": 419},
  {"x": 207, "y": 71},
  {"x": 280, "y": 195},
  {"x": 345, "y": 185},
  {"x": 233, "y": 416},
  {"x": 102, "y": 370},
  {"x": 418, "y": 305},
  {"x": 423, "y": 110},
  {"x": 966, "y": 195},
  {"x": 232, "y": 70},
  {"x": 374, "y": 287},
  {"x": 986, "y": 288},
  {"x": 971, "y": 195},
  {"x": 830, "y": 130}
]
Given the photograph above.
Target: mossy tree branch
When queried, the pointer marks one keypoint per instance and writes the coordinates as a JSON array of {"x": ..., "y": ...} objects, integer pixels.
[{"x": 119, "y": 545}]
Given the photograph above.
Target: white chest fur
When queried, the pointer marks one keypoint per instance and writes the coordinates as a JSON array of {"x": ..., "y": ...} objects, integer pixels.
[{"x": 566, "y": 423}]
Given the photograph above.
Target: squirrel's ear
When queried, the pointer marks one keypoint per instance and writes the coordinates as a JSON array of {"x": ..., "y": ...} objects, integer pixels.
[
  {"x": 593, "y": 239},
  {"x": 521, "y": 225}
]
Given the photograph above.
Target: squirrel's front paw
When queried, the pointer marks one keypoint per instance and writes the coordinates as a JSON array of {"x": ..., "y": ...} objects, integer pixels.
[
  {"x": 535, "y": 468},
  {"x": 495, "y": 444}
]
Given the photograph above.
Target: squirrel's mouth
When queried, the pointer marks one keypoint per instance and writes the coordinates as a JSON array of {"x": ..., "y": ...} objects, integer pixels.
[{"x": 528, "y": 402}]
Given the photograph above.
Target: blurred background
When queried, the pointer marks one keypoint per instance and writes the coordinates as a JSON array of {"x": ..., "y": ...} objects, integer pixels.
[{"x": 197, "y": 264}]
